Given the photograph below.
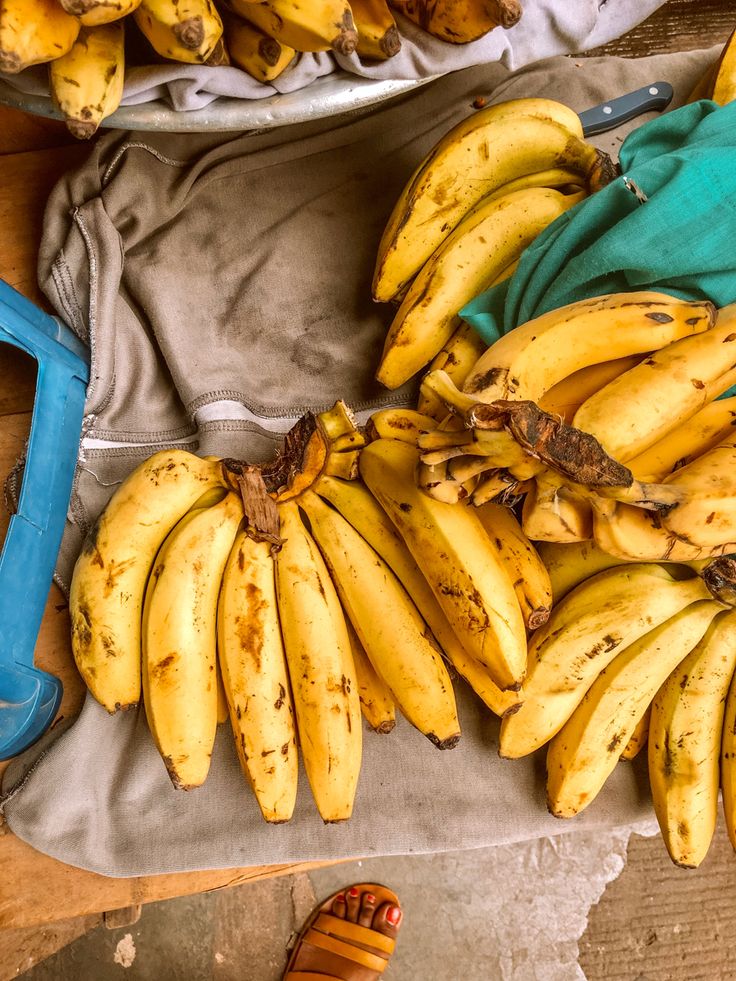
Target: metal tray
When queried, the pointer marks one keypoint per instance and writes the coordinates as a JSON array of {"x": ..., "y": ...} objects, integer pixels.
[{"x": 330, "y": 95}]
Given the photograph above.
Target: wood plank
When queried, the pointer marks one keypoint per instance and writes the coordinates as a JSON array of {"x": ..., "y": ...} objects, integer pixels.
[
  {"x": 21, "y": 131},
  {"x": 678, "y": 25},
  {"x": 25, "y": 182},
  {"x": 36, "y": 889},
  {"x": 22, "y": 949}
]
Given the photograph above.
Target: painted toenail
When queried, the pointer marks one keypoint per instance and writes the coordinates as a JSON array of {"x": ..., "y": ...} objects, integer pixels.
[
  {"x": 340, "y": 898},
  {"x": 353, "y": 892},
  {"x": 393, "y": 915},
  {"x": 369, "y": 898}
]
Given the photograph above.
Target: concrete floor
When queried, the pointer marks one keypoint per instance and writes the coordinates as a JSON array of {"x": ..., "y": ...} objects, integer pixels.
[{"x": 513, "y": 912}]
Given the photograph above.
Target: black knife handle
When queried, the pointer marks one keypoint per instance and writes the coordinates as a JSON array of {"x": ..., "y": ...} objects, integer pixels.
[{"x": 609, "y": 115}]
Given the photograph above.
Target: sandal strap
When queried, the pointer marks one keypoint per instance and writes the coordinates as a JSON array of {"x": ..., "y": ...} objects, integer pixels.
[
  {"x": 351, "y": 953},
  {"x": 345, "y": 929},
  {"x": 310, "y": 976}
]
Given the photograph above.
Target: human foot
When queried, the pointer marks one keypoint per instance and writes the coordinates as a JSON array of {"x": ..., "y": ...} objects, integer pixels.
[{"x": 350, "y": 937}]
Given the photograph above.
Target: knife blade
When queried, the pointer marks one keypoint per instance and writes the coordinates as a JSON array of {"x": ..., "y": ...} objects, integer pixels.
[{"x": 608, "y": 115}]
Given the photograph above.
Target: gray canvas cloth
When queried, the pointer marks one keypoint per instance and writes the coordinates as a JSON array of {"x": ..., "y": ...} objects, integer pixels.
[
  {"x": 546, "y": 28},
  {"x": 223, "y": 287}
]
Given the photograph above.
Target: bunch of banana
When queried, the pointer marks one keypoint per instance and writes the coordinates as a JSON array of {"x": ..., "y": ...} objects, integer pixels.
[
  {"x": 460, "y": 21},
  {"x": 636, "y": 653},
  {"x": 479, "y": 198}
]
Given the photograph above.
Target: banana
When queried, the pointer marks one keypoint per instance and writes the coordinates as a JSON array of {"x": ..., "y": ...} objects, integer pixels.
[
  {"x": 388, "y": 625},
  {"x": 582, "y": 636},
  {"x": 638, "y": 738},
  {"x": 404, "y": 424},
  {"x": 452, "y": 550},
  {"x": 183, "y": 30},
  {"x": 706, "y": 517},
  {"x": 457, "y": 358},
  {"x": 92, "y": 13},
  {"x": 688, "y": 441},
  {"x": 87, "y": 82},
  {"x": 631, "y": 533},
  {"x": 109, "y": 580},
  {"x": 483, "y": 244},
  {"x": 255, "y": 677},
  {"x": 557, "y": 177},
  {"x": 525, "y": 568},
  {"x": 321, "y": 669},
  {"x": 570, "y": 564},
  {"x": 261, "y": 56},
  {"x": 566, "y": 397},
  {"x": 376, "y": 702},
  {"x": 584, "y": 753},
  {"x": 553, "y": 513},
  {"x": 179, "y": 640},
  {"x": 361, "y": 509},
  {"x": 222, "y": 709},
  {"x": 307, "y": 25},
  {"x": 685, "y": 742},
  {"x": 723, "y": 84},
  {"x": 475, "y": 158},
  {"x": 728, "y": 763},
  {"x": 378, "y": 35},
  {"x": 460, "y": 22},
  {"x": 644, "y": 404},
  {"x": 526, "y": 362},
  {"x": 32, "y": 32}
]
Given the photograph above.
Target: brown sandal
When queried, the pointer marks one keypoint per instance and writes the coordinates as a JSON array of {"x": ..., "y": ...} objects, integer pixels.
[{"x": 366, "y": 948}]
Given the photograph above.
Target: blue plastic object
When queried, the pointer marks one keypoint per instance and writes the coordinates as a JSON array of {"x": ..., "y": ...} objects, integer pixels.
[{"x": 30, "y": 697}]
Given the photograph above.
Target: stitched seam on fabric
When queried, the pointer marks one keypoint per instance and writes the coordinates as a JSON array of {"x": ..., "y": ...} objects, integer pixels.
[
  {"x": 92, "y": 263},
  {"x": 293, "y": 411},
  {"x": 16, "y": 788},
  {"x": 139, "y": 146},
  {"x": 70, "y": 284},
  {"x": 134, "y": 451},
  {"x": 132, "y": 436},
  {"x": 71, "y": 314},
  {"x": 240, "y": 426}
]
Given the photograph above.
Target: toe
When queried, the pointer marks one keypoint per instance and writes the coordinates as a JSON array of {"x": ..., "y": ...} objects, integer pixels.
[
  {"x": 352, "y": 899},
  {"x": 387, "y": 919},
  {"x": 339, "y": 906},
  {"x": 367, "y": 909}
]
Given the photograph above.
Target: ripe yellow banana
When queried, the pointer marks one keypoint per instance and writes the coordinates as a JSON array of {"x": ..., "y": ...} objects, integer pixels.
[
  {"x": 109, "y": 580},
  {"x": 728, "y": 763},
  {"x": 32, "y": 32},
  {"x": 638, "y": 739},
  {"x": 87, "y": 82},
  {"x": 378, "y": 35},
  {"x": 376, "y": 702},
  {"x": 582, "y": 636},
  {"x": 557, "y": 177},
  {"x": 476, "y": 158},
  {"x": 452, "y": 550},
  {"x": 92, "y": 13},
  {"x": 632, "y": 534},
  {"x": 261, "y": 56},
  {"x": 706, "y": 517},
  {"x": 565, "y": 398},
  {"x": 528, "y": 361},
  {"x": 688, "y": 441},
  {"x": 570, "y": 564},
  {"x": 584, "y": 753},
  {"x": 179, "y": 640},
  {"x": 490, "y": 237},
  {"x": 255, "y": 677},
  {"x": 644, "y": 404},
  {"x": 183, "y": 30},
  {"x": 723, "y": 85},
  {"x": 553, "y": 513},
  {"x": 460, "y": 21},
  {"x": 321, "y": 669},
  {"x": 389, "y": 627},
  {"x": 307, "y": 25},
  {"x": 685, "y": 742},
  {"x": 457, "y": 358},
  {"x": 525, "y": 568},
  {"x": 358, "y": 506},
  {"x": 404, "y": 424}
]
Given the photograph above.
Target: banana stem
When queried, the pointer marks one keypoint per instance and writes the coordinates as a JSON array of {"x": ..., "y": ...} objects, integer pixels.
[{"x": 439, "y": 383}]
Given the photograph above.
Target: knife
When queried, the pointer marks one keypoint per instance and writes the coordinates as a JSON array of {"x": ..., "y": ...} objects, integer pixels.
[{"x": 609, "y": 115}]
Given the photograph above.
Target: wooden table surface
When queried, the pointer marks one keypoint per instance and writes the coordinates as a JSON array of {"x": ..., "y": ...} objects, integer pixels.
[{"x": 36, "y": 889}]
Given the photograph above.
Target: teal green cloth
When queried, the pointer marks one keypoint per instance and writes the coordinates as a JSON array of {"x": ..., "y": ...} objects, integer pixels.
[{"x": 681, "y": 240}]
